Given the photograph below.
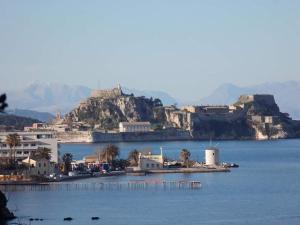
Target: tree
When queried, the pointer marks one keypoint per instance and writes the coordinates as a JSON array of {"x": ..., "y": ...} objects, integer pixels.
[
  {"x": 42, "y": 153},
  {"x": 110, "y": 152},
  {"x": 67, "y": 159},
  {"x": 3, "y": 104},
  {"x": 184, "y": 156},
  {"x": 12, "y": 140},
  {"x": 133, "y": 157},
  {"x": 120, "y": 163}
]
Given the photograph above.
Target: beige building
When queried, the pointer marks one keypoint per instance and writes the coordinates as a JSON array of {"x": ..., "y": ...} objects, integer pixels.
[
  {"x": 150, "y": 161},
  {"x": 134, "y": 127},
  {"x": 30, "y": 142},
  {"x": 39, "y": 167}
]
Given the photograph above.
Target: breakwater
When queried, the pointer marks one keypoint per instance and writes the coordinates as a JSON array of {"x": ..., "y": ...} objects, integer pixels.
[{"x": 106, "y": 186}]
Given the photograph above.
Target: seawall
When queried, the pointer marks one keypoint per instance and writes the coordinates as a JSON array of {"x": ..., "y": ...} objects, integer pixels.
[
  {"x": 164, "y": 135},
  {"x": 74, "y": 137}
]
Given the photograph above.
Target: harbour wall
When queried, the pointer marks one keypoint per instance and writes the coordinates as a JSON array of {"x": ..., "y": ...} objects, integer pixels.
[
  {"x": 74, "y": 137},
  {"x": 164, "y": 135}
]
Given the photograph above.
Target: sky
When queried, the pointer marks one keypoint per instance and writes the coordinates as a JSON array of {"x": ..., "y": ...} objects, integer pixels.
[{"x": 186, "y": 48}]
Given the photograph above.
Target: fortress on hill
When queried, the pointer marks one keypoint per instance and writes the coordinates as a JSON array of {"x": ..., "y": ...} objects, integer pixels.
[{"x": 108, "y": 93}]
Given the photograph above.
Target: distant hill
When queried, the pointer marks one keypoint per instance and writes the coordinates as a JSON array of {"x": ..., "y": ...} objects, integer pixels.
[
  {"x": 18, "y": 122},
  {"x": 53, "y": 97},
  {"x": 286, "y": 95},
  {"x": 108, "y": 111},
  {"x": 41, "y": 116}
]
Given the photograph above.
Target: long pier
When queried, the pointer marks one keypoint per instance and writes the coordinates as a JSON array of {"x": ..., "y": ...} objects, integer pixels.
[{"x": 107, "y": 186}]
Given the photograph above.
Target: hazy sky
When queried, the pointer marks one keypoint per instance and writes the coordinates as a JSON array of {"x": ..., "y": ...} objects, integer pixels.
[{"x": 186, "y": 48}]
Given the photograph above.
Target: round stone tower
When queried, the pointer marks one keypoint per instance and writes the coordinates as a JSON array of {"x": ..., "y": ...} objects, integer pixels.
[{"x": 212, "y": 156}]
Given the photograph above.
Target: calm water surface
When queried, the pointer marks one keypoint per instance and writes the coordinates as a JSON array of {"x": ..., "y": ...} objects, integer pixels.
[{"x": 264, "y": 190}]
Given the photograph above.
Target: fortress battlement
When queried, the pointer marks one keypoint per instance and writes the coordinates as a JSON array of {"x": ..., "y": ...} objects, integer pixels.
[{"x": 107, "y": 93}]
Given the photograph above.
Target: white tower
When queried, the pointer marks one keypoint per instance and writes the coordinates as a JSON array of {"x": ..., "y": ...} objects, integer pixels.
[{"x": 212, "y": 156}]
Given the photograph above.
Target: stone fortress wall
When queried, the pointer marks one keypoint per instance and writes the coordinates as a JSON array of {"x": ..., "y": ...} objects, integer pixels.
[
  {"x": 266, "y": 98},
  {"x": 108, "y": 93}
]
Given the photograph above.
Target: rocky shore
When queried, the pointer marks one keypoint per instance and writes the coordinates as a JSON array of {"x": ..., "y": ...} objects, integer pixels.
[{"x": 5, "y": 214}]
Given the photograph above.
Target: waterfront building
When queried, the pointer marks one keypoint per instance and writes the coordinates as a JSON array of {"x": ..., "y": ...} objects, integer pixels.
[
  {"x": 209, "y": 109},
  {"x": 150, "y": 161},
  {"x": 29, "y": 143},
  {"x": 39, "y": 167},
  {"x": 212, "y": 156},
  {"x": 191, "y": 108},
  {"x": 134, "y": 127}
]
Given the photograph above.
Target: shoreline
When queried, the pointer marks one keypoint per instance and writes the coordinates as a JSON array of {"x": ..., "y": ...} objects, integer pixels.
[
  {"x": 119, "y": 173},
  {"x": 175, "y": 140}
]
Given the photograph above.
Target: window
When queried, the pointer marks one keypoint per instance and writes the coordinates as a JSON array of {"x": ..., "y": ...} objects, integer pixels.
[
  {"x": 157, "y": 165},
  {"x": 19, "y": 152},
  {"x": 25, "y": 145},
  {"x": 3, "y": 145},
  {"x": 44, "y": 164},
  {"x": 40, "y": 165},
  {"x": 152, "y": 165},
  {"x": 147, "y": 165},
  {"x": 33, "y": 144},
  {"x": 26, "y": 152},
  {"x": 4, "y": 153}
]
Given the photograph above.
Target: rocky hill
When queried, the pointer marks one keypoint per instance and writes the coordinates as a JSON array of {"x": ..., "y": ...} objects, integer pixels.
[
  {"x": 107, "y": 111},
  {"x": 286, "y": 95},
  {"x": 251, "y": 117}
]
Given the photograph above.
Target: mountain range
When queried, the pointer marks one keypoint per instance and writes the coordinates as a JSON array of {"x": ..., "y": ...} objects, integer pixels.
[{"x": 52, "y": 97}]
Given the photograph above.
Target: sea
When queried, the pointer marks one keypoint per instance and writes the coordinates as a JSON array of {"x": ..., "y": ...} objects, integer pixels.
[{"x": 264, "y": 190}]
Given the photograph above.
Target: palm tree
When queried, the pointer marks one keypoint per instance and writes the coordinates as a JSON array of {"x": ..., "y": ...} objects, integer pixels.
[
  {"x": 184, "y": 156},
  {"x": 12, "y": 140},
  {"x": 110, "y": 152},
  {"x": 133, "y": 157},
  {"x": 67, "y": 159}
]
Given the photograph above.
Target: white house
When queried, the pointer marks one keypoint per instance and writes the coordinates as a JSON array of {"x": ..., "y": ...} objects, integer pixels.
[
  {"x": 150, "y": 161},
  {"x": 30, "y": 142},
  {"x": 134, "y": 126}
]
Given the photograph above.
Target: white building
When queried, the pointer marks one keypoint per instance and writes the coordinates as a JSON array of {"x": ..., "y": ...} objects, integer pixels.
[
  {"x": 150, "y": 161},
  {"x": 30, "y": 142},
  {"x": 212, "y": 156},
  {"x": 134, "y": 127}
]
